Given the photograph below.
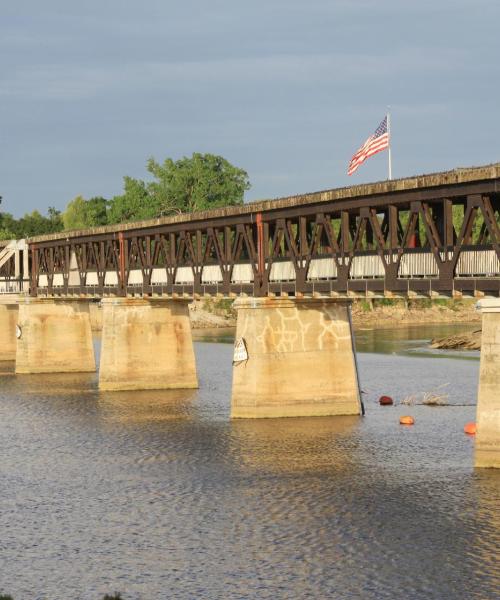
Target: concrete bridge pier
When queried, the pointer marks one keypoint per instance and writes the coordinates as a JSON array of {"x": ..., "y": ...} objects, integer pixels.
[
  {"x": 488, "y": 402},
  {"x": 55, "y": 336},
  {"x": 8, "y": 322},
  {"x": 146, "y": 344},
  {"x": 294, "y": 357}
]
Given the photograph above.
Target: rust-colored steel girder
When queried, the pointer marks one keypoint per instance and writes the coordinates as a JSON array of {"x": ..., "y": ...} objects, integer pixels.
[{"x": 431, "y": 234}]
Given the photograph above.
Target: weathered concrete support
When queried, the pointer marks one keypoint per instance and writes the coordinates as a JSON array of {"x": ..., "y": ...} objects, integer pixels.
[
  {"x": 55, "y": 336},
  {"x": 146, "y": 344},
  {"x": 300, "y": 362},
  {"x": 8, "y": 322},
  {"x": 488, "y": 402}
]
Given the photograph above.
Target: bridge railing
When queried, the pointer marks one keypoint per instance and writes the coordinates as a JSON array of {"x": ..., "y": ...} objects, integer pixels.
[{"x": 14, "y": 267}]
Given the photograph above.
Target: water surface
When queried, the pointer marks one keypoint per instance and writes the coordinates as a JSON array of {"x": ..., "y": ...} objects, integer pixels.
[{"x": 161, "y": 495}]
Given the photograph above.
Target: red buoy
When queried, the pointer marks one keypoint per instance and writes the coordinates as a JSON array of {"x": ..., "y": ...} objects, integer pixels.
[
  {"x": 470, "y": 428},
  {"x": 385, "y": 401}
]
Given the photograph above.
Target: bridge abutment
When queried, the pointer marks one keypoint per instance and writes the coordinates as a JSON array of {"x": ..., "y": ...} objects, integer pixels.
[
  {"x": 146, "y": 344},
  {"x": 299, "y": 359},
  {"x": 8, "y": 322},
  {"x": 55, "y": 336},
  {"x": 488, "y": 403}
]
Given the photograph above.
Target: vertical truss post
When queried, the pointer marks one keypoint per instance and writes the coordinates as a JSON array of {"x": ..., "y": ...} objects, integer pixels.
[{"x": 123, "y": 285}]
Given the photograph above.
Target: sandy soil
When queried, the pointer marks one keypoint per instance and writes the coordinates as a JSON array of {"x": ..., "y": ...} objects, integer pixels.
[
  {"x": 205, "y": 319},
  {"x": 392, "y": 315}
]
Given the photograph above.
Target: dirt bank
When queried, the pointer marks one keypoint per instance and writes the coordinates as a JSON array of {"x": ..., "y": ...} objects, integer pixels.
[
  {"x": 377, "y": 313},
  {"x": 207, "y": 314},
  {"x": 212, "y": 313},
  {"x": 389, "y": 313}
]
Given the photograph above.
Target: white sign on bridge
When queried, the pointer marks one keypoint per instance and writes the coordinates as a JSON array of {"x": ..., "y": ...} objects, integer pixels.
[{"x": 240, "y": 351}]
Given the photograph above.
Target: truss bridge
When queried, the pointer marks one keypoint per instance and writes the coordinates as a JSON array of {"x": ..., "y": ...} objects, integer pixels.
[{"x": 431, "y": 234}]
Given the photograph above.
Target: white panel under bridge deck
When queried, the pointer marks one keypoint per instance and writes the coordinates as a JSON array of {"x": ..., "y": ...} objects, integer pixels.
[
  {"x": 482, "y": 263},
  {"x": 422, "y": 264},
  {"x": 367, "y": 267}
]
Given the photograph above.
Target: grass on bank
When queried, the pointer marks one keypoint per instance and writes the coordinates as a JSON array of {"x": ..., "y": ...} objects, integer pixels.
[{"x": 414, "y": 304}]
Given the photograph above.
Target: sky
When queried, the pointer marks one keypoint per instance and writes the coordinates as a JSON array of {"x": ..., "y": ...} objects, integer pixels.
[{"x": 285, "y": 89}]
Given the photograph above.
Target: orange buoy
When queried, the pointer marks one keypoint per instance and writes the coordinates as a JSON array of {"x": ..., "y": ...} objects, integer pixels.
[
  {"x": 385, "y": 401},
  {"x": 470, "y": 428},
  {"x": 406, "y": 420}
]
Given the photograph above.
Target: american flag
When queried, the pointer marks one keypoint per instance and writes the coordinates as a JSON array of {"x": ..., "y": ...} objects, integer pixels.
[{"x": 375, "y": 143}]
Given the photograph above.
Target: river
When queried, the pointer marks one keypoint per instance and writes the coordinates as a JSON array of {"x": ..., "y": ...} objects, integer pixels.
[{"x": 161, "y": 495}]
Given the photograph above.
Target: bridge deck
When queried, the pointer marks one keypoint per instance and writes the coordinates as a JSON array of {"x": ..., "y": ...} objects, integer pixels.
[{"x": 360, "y": 193}]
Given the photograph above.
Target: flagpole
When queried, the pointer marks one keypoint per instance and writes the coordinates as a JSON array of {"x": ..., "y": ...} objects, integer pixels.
[{"x": 389, "y": 136}]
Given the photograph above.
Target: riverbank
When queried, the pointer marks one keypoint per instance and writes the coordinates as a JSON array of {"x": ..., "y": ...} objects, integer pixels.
[
  {"x": 210, "y": 313},
  {"x": 389, "y": 313},
  {"x": 377, "y": 313}
]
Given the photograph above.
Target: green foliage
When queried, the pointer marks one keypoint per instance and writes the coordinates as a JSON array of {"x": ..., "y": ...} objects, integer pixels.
[
  {"x": 30, "y": 225},
  {"x": 6, "y": 234},
  {"x": 135, "y": 204},
  {"x": 419, "y": 303},
  {"x": 6, "y": 597},
  {"x": 366, "y": 305},
  {"x": 97, "y": 214},
  {"x": 201, "y": 182},
  {"x": 394, "y": 302},
  {"x": 74, "y": 217},
  {"x": 222, "y": 307},
  {"x": 83, "y": 214}
]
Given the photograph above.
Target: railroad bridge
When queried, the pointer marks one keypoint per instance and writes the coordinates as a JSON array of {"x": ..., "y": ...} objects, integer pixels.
[{"x": 293, "y": 264}]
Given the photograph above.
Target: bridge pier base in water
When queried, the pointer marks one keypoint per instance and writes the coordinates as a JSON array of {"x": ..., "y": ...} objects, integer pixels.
[
  {"x": 8, "y": 322},
  {"x": 296, "y": 359},
  {"x": 488, "y": 403},
  {"x": 55, "y": 336},
  {"x": 146, "y": 344}
]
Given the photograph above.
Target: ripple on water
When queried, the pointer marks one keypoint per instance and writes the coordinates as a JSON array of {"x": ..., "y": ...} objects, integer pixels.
[{"x": 160, "y": 495}]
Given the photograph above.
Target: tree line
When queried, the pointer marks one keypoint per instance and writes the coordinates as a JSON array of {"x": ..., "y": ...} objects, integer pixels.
[{"x": 199, "y": 182}]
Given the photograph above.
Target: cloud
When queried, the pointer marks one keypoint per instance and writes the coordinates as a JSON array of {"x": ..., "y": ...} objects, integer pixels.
[{"x": 67, "y": 82}]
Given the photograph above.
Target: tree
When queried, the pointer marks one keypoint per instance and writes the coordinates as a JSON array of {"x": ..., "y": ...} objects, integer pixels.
[
  {"x": 83, "y": 214},
  {"x": 34, "y": 223},
  {"x": 201, "y": 182},
  {"x": 134, "y": 204},
  {"x": 30, "y": 225},
  {"x": 97, "y": 211},
  {"x": 74, "y": 217},
  {"x": 8, "y": 227}
]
